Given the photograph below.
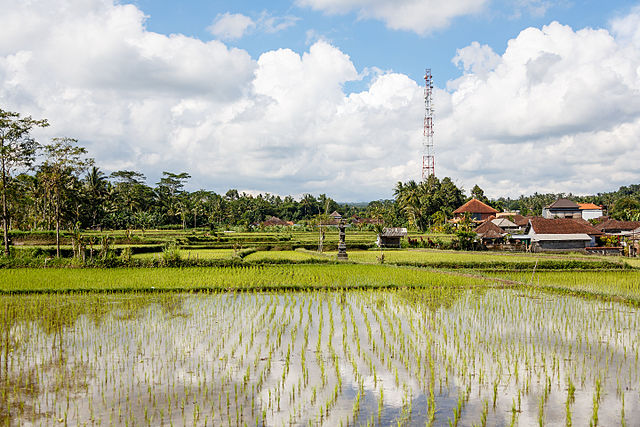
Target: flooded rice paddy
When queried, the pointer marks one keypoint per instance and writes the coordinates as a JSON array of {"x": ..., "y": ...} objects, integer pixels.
[{"x": 421, "y": 357}]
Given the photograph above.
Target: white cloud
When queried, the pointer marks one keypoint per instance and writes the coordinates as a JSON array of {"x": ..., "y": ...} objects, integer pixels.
[
  {"x": 230, "y": 26},
  {"x": 150, "y": 102},
  {"x": 559, "y": 110},
  {"x": 273, "y": 24},
  {"x": 476, "y": 58},
  {"x": 533, "y": 7},
  {"x": 420, "y": 16},
  {"x": 627, "y": 28}
]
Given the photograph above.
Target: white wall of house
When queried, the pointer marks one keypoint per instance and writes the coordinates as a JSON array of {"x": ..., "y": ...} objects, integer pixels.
[{"x": 591, "y": 213}]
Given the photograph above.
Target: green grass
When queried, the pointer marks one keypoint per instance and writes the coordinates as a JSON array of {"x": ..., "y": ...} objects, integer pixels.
[
  {"x": 225, "y": 278},
  {"x": 282, "y": 256},
  {"x": 193, "y": 254},
  {"x": 607, "y": 284},
  {"x": 461, "y": 259},
  {"x": 258, "y": 256}
]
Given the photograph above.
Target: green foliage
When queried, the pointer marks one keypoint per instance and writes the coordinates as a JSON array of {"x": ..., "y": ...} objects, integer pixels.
[
  {"x": 171, "y": 255},
  {"x": 56, "y": 194},
  {"x": 465, "y": 239},
  {"x": 429, "y": 201},
  {"x": 626, "y": 209},
  {"x": 17, "y": 149},
  {"x": 610, "y": 241}
]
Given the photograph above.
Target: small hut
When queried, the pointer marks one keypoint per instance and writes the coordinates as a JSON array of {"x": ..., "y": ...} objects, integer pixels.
[
  {"x": 390, "y": 237},
  {"x": 490, "y": 234}
]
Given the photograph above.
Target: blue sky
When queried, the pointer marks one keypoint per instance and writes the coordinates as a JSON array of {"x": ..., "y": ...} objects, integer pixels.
[
  {"x": 326, "y": 96},
  {"x": 368, "y": 42}
]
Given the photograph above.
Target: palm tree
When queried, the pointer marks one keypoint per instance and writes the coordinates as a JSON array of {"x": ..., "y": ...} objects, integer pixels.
[
  {"x": 409, "y": 200},
  {"x": 95, "y": 184}
]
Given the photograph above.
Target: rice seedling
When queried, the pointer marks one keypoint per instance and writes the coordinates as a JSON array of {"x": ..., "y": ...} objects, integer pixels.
[{"x": 372, "y": 355}]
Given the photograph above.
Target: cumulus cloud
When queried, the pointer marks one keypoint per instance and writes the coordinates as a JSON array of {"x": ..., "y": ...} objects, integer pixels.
[
  {"x": 559, "y": 110},
  {"x": 419, "y": 16},
  {"x": 627, "y": 28},
  {"x": 476, "y": 58},
  {"x": 141, "y": 100}
]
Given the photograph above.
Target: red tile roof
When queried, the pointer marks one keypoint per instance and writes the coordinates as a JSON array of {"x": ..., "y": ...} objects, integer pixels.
[
  {"x": 563, "y": 226},
  {"x": 489, "y": 230},
  {"x": 475, "y": 206},
  {"x": 615, "y": 225},
  {"x": 273, "y": 221}
]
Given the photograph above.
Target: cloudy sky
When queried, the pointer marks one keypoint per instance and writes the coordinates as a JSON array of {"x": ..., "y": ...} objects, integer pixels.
[{"x": 326, "y": 96}]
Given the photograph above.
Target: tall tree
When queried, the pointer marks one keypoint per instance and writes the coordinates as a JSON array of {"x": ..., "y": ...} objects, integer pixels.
[
  {"x": 64, "y": 162},
  {"x": 17, "y": 149},
  {"x": 130, "y": 196},
  {"x": 478, "y": 194},
  {"x": 170, "y": 191},
  {"x": 95, "y": 184}
]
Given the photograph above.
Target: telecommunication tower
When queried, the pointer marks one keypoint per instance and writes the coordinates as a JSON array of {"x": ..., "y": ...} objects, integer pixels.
[{"x": 428, "y": 159}]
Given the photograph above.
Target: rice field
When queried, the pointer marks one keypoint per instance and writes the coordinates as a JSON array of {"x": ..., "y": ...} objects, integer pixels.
[
  {"x": 623, "y": 285},
  {"x": 430, "y": 356},
  {"x": 436, "y": 258},
  {"x": 434, "y": 255},
  {"x": 240, "y": 278},
  {"x": 283, "y": 256},
  {"x": 193, "y": 254}
]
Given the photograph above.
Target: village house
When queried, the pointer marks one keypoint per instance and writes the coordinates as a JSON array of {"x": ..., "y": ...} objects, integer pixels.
[
  {"x": 514, "y": 217},
  {"x": 562, "y": 208},
  {"x": 590, "y": 210},
  {"x": 335, "y": 215},
  {"x": 506, "y": 225},
  {"x": 490, "y": 234},
  {"x": 477, "y": 210},
  {"x": 356, "y": 220},
  {"x": 273, "y": 221},
  {"x": 560, "y": 234},
  {"x": 615, "y": 227}
]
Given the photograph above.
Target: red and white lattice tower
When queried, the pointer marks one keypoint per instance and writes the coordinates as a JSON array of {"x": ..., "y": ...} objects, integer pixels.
[{"x": 428, "y": 159}]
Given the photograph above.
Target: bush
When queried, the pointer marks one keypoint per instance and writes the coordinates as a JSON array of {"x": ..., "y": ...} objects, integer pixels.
[{"x": 171, "y": 255}]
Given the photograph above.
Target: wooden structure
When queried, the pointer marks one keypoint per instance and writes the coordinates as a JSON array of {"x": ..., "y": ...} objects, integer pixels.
[
  {"x": 391, "y": 237},
  {"x": 490, "y": 234}
]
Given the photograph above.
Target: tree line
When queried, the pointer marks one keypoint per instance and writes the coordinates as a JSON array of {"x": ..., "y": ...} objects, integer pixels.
[{"x": 57, "y": 185}]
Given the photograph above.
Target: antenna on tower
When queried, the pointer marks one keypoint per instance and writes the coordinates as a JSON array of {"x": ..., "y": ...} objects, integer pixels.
[{"x": 428, "y": 159}]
